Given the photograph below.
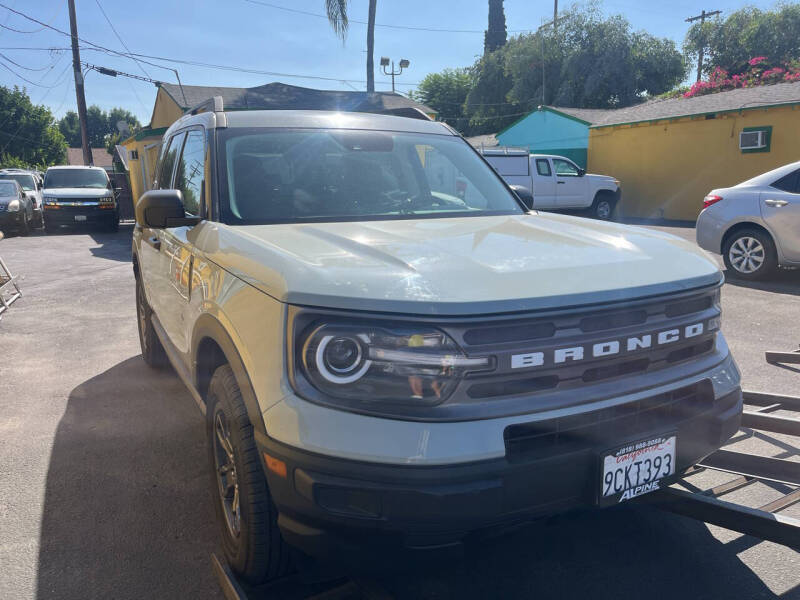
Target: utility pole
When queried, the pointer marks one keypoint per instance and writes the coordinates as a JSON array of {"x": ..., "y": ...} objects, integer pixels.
[
  {"x": 555, "y": 14},
  {"x": 76, "y": 69},
  {"x": 702, "y": 18}
]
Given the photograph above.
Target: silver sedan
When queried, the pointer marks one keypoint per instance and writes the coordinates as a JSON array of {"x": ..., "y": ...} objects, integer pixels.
[{"x": 755, "y": 225}]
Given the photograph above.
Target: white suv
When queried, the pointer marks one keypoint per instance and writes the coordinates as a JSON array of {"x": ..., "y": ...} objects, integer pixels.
[{"x": 390, "y": 358}]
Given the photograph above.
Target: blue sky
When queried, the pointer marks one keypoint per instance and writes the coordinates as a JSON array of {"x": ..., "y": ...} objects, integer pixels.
[{"x": 253, "y": 36}]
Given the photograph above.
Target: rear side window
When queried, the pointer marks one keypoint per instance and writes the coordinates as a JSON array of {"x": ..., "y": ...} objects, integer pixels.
[
  {"x": 508, "y": 166},
  {"x": 789, "y": 183},
  {"x": 543, "y": 167},
  {"x": 190, "y": 172},
  {"x": 166, "y": 163}
]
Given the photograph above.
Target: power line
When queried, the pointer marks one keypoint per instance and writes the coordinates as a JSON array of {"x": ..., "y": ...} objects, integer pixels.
[
  {"x": 25, "y": 79},
  {"x": 124, "y": 45},
  {"x": 20, "y": 30},
  {"x": 16, "y": 64},
  {"x": 385, "y": 25}
]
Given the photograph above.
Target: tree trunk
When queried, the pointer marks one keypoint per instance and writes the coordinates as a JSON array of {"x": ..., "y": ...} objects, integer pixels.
[{"x": 371, "y": 46}]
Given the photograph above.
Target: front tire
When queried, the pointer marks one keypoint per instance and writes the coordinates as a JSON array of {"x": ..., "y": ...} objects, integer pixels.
[
  {"x": 152, "y": 351},
  {"x": 247, "y": 517},
  {"x": 603, "y": 206},
  {"x": 750, "y": 254}
]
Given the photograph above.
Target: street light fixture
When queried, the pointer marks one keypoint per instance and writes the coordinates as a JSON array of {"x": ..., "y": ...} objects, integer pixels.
[{"x": 385, "y": 63}]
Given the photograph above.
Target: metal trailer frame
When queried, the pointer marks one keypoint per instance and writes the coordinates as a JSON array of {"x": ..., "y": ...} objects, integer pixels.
[
  {"x": 9, "y": 290},
  {"x": 774, "y": 357},
  {"x": 763, "y": 522}
]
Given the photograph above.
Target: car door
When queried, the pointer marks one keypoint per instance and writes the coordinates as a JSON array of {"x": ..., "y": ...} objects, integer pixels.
[
  {"x": 544, "y": 183},
  {"x": 150, "y": 250},
  {"x": 570, "y": 184},
  {"x": 780, "y": 209},
  {"x": 177, "y": 251}
]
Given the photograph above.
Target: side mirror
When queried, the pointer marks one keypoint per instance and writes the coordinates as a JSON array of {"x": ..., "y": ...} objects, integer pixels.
[
  {"x": 524, "y": 194},
  {"x": 159, "y": 209},
  {"x": 581, "y": 172}
]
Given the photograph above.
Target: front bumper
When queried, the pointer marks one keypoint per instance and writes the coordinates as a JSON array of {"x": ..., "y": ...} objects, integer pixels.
[
  {"x": 360, "y": 511},
  {"x": 10, "y": 219},
  {"x": 79, "y": 215}
]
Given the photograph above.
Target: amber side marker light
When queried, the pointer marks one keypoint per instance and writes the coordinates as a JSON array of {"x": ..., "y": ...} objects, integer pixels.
[{"x": 276, "y": 466}]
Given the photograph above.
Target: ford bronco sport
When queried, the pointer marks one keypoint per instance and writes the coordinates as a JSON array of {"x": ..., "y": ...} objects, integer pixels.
[{"x": 390, "y": 357}]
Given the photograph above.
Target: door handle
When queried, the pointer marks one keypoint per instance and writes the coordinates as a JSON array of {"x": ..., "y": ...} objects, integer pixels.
[
  {"x": 561, "y": 182},
  {"x": 775, "y": 203},
  {"x": 154, "y": 242}
]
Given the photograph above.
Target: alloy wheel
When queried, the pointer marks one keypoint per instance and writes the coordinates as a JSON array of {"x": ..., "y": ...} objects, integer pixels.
[
  {"x": 227, "y": 479},
  {"x": 747, "y": 255},
  {"x": 603, "y": 210}
]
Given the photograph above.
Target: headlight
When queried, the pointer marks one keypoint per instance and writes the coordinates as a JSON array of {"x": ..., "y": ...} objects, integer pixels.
[
  {"x": 51, "y": 200},
  {"x": 371, "y": 365},
  {"x": 13, "y": 206}
]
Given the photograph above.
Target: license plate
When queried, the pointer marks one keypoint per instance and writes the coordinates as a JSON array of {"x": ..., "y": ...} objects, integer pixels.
[
  {"x": 636, "y": 468},
  {"x": 80, "y": 217}
]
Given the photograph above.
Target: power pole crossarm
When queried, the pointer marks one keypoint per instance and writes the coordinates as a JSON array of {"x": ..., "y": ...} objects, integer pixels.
[
  {"x": 76, "y": 67},
  {"x": 702, "y": 18}
]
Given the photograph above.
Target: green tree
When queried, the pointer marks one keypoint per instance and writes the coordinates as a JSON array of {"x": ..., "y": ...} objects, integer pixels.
[
  {"x": 337, "y": 17},
  {"x": 747, "y": 33},
  {"x": 495, "y": 36},
  {"x": 487, "y": 105},
  {"x": 446, "y": 93},
  {"x": 70, "y": 128},
  {"x": 101, "y": 125},
  {"x": 28, "y": 132},
  {"x": 591, "y": 62}
]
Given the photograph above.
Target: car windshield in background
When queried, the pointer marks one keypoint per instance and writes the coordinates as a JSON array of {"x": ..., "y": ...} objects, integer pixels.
[
  {"x": 26, "y": 182},
  {"x": 317, "y": 175},
  {"x": 7, "y": 189},
  {"x": 75, "y": 178}
]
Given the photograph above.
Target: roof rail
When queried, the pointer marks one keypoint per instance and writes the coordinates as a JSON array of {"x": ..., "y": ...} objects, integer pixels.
[
  {"x": 214, "y": 104},
  {"x": 504, "y": 150}
]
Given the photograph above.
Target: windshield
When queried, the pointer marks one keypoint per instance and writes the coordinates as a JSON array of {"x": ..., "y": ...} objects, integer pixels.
[
  {"x": 75, "y": 178},
  {"x": 25, "y": 181},
  {"x": 314, "y": 175},
  {"x": 7, "y": 189}
]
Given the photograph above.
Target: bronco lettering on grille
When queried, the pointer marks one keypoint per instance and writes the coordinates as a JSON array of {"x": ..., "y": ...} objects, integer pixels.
[{"x": 608, "y": 348}]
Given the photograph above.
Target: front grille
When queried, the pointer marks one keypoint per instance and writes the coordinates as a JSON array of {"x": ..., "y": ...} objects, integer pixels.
[
  {"x": 601, "y": 428},
  {"x": 509, "y": 339}
]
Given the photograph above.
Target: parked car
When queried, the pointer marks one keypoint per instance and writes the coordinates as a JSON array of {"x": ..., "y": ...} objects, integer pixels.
[
  {"x": 755, "y": 225},
  {"x": 556, "y": 182},
  {"x": 389, "y": 360},
  {"x": 78, "y": 196},
  {"x": 16, "y": 208},
  {"x": 32, "y": 187}
]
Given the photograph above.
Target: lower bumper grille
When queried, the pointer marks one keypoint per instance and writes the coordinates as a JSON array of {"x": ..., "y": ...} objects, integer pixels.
[{"x": 605, "y": 427}]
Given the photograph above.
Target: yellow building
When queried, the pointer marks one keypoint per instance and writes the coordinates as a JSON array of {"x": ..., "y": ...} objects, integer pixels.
[
  {"x": 669, "y": 154},
  {"x": 172, "y": 101}
]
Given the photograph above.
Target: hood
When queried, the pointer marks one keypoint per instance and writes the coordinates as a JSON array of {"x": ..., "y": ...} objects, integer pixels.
[
  {"x": 77, "y": 192},
  {"x": 457, "y": 266},
  {"x": 601, "y": 177},
  {"x": 6, "y": 199}
]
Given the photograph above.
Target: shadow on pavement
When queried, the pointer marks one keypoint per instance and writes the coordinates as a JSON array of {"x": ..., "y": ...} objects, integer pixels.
[
  {"x": 127, "y": 509},
  {"x": 784, "y": 281},
  {"x": 113, "y": 246},
  {"x": 625, "y": 552},
  {"x": 128, "y": 514}
]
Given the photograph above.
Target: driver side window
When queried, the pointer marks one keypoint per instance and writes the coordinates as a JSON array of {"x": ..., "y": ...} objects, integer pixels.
[
  {"x": 564, "y": 168},
  {"x": 166, "y": 164}
]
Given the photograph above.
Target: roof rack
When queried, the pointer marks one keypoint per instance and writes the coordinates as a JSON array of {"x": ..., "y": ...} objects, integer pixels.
[
  {"x": 214, "y": 104},
  {"x": 504, "y": 150}
]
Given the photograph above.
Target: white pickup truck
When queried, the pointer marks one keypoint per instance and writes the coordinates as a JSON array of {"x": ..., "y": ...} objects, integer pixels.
[{"x": 555, "y": 181}]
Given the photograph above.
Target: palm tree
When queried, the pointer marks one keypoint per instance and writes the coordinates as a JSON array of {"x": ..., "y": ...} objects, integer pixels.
[{"x": 337, "y": 16}]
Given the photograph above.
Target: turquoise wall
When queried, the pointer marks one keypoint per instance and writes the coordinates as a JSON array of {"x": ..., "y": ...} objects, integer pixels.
[{"x": 545, "y": 132}]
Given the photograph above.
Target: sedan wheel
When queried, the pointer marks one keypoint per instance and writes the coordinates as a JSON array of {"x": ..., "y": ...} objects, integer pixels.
[
  {"x": 747, "y": 255},
  {"x": 750, "y": 254}
]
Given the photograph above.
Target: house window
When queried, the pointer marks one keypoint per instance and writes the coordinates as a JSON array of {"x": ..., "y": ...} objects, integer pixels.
[
  {"x": 133, "y": 154},
  {"x": 755, "y": 139}
]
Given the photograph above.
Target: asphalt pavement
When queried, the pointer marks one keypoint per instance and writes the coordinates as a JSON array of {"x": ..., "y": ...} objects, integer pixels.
[{"x": 104, "y": 489}]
